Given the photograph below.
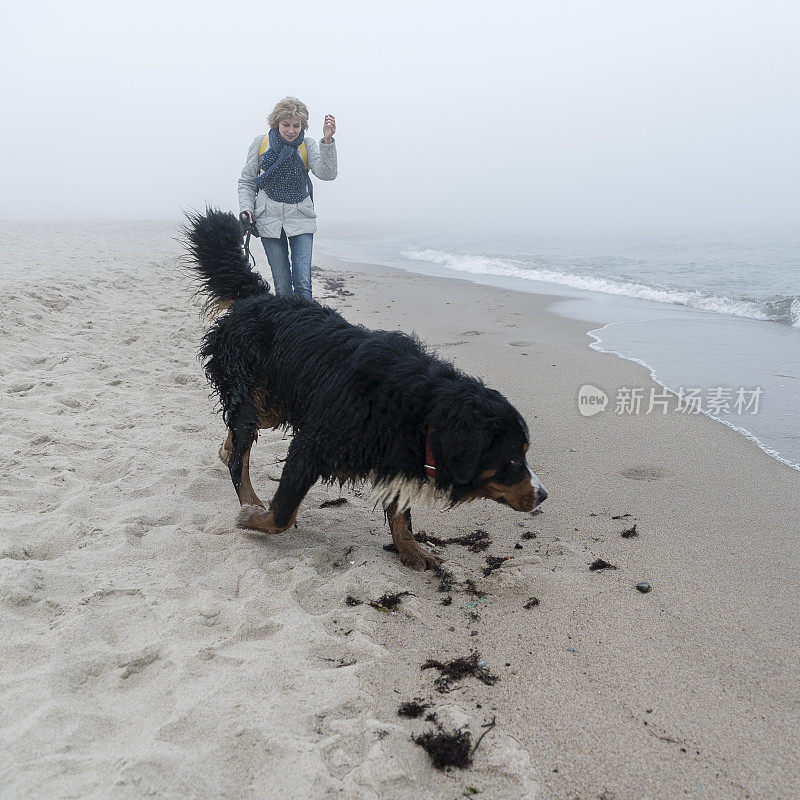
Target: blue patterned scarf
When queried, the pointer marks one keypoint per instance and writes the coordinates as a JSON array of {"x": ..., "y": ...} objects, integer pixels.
[{"x": 283, "y": 176}]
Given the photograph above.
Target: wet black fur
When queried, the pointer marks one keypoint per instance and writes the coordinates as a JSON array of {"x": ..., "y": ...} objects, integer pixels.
[{"x": 358, "y": 400}]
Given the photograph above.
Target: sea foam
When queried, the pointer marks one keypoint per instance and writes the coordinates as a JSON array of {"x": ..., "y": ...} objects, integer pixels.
[{"x": 781, "y": 309}]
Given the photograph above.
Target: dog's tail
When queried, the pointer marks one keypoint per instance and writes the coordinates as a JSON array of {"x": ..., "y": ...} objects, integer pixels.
[{"x": 217, "y": 261}]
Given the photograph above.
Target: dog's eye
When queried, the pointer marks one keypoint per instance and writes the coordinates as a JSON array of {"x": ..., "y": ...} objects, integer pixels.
[{"x": 516, "y": 463}]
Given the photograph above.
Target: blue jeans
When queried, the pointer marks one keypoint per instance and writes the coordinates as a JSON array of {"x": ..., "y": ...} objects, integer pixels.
[{"x": 297, "y": 276}]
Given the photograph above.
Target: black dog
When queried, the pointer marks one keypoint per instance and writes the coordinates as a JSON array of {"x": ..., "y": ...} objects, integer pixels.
[{"x": 363, "y": 405}]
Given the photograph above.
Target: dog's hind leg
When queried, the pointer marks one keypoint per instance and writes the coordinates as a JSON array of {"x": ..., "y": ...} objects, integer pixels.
[
  {"x": 299, "y": 475},
  {"x": 247, "y": 495},
  {"x": 243, "y": 432},
  {"x": 411, "y": 554}
]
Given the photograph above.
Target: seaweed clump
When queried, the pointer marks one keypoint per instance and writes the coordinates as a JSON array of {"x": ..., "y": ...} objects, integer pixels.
[
  {"x": 388, "y": 601},
  {"x": 413, "y": 708},
  {"x": 476, "y": 541},
  {"x": 446, "y": 580},
  {"x": 448, "y": 584},
  {"x": 336, "y": 286},
  {"x": 339, "y": 501},
  {"x": 447, "y": 749},
  {"x": 494, "y": 563},
  {"x": 600, "y": 563},
  {"x": 453, "y": 671}
]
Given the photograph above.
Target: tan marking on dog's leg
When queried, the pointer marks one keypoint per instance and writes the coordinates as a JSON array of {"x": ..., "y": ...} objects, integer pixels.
[
  {"x": 225, "y": 450},
  {"x": 411, "y": 554},
  {"x": 247, "y": 495}
]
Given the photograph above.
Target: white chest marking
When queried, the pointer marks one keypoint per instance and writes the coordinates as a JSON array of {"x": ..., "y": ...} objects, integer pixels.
[{"x": 407, "y": 492}]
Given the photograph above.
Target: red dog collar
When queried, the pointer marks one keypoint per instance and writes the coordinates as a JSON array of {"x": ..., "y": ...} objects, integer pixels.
[{"x": 430, "y": 464}]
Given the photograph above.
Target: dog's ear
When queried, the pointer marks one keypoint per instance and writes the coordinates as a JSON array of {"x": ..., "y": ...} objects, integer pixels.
[{"x": 460, "y": 445}]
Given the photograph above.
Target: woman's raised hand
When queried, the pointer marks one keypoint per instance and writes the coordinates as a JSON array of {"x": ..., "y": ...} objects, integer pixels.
[{"x": 328, "y": 128}]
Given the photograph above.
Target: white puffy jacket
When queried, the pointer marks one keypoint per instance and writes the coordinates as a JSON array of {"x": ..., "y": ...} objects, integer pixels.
[{"x": 271, "y": 215}]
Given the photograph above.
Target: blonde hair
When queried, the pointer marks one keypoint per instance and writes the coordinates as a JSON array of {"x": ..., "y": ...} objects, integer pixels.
[{"x": 288, "y": 108}]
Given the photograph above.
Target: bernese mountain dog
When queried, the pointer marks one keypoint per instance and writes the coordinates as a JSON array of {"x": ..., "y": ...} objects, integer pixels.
[{"x": 363, "y": 405}]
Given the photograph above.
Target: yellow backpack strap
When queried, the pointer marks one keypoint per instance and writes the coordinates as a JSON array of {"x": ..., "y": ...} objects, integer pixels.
[{"x": 303, "y": 150}]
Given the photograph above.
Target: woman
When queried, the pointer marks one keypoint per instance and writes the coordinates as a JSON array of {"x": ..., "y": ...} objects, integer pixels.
[{"x": 275, "y": 192}]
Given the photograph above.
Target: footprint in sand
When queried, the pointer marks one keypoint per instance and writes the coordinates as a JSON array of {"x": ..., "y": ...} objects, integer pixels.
[
  {"x": 345, "y": 730},
  {"x": 462, "y": 340},
  {"x": 133, "y": 663},
  {"x": 21, "y": 388},
  {"x": 21, "y": 587},
  {"x": 643, "y": 472},
  {"x": 69, "y": 402},
  {"x": 252, "y": 631},
  {"x": 16, "y": 552},
  {"x": 334, "y": 655},
  {"x": 134, "y": 532},
  {"x": 76, "y": 676},
  {"x": 189, "y": 427}
]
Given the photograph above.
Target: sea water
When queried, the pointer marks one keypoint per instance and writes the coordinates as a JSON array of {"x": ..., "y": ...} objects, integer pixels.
[{"x": 714, "y": 317}]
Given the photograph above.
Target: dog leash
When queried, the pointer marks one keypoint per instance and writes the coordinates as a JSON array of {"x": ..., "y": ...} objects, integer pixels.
[
  {"x": 248, "y": 227},
  {"x": 250, "y": 256}
]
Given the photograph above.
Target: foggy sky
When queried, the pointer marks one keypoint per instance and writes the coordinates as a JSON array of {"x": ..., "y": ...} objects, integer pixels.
[{"x": 544, "y": 114}]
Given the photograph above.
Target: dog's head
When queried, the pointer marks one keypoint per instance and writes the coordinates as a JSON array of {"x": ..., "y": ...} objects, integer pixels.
[{"x": 479, "y": 443}]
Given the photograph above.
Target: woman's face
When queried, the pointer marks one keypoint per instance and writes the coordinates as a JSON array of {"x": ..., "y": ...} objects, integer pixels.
[{"x": 290, "y": 128}]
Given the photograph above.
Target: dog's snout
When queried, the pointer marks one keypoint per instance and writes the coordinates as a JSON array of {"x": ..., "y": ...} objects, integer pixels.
[{"x": 541, "y": 494}]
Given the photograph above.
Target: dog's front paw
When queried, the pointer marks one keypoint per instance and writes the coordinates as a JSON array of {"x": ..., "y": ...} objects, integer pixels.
[
  {"x": 257, "y": 521},
  {"x": 419, "y": 559}
]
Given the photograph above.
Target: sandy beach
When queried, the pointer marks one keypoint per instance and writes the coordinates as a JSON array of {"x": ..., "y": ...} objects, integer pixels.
[{"x": 148, "y": 648}]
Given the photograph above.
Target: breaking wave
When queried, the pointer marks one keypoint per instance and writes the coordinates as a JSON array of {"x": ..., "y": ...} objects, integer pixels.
[{"x": 779, "y": 308}]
